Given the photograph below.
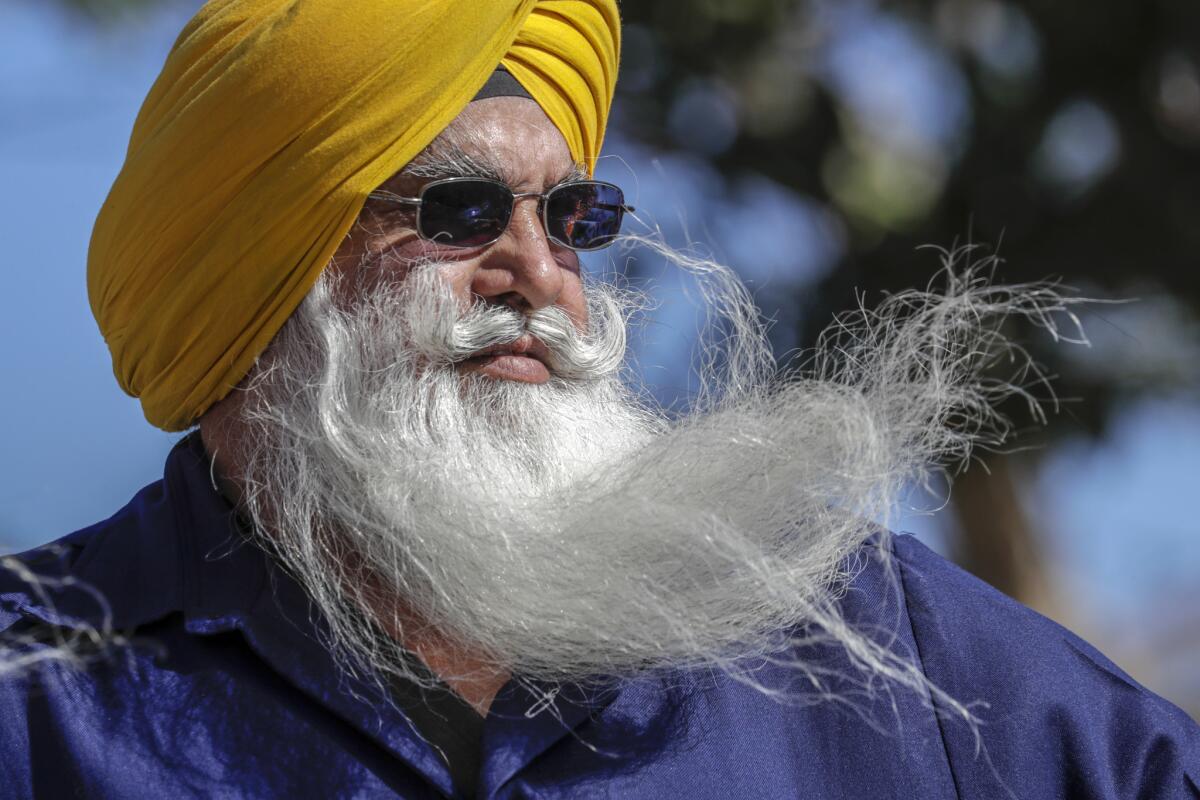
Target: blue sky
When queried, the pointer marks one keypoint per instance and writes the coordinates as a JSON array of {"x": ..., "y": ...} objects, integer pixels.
[
  {"x": 1120, "y": 514},
  {"x": 76, "y": 447}
]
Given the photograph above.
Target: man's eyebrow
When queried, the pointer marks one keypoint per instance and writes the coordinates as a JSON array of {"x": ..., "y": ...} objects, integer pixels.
[
  {"x": 577, "y": 173},
  {"x": 449, "y": 160}
]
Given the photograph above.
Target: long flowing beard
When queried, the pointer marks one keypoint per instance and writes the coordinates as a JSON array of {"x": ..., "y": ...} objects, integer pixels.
[{"x": 569, "y": 531}]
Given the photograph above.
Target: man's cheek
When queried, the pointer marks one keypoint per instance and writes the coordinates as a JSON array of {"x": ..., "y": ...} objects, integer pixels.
[
  {"x": 574, "y": 301},
  {"x": 459, "y": 275}
]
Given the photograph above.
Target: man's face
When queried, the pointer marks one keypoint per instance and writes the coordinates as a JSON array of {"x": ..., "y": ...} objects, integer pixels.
[{"x": 509, "y": 139}]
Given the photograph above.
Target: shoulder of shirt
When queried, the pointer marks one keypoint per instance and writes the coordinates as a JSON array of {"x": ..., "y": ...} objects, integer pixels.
[
  {"x": 46, "y": 584},
  {"x": 964, "y": 620},
  {"x": 1033, "y": 683}
]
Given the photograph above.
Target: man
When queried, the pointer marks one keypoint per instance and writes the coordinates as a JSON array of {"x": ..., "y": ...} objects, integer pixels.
[{"x": 427, "y": 542}]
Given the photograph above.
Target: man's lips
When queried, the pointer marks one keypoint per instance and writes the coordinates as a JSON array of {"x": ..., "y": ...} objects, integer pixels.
[{"x": 524, "y": 360}]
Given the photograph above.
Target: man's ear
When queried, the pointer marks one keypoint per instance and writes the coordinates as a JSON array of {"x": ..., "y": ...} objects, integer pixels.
[{"x": 224, "y": 436}]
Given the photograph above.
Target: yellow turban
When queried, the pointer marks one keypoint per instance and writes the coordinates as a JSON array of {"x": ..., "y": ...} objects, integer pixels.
[{"x": 253, "y": 154}]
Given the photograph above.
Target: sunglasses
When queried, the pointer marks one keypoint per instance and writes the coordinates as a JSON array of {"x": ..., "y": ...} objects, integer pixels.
[{"x": 473, "y": 212}]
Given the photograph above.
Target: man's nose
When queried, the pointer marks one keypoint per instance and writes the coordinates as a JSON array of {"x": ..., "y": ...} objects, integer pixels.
[{"x": 520, "y": 263}]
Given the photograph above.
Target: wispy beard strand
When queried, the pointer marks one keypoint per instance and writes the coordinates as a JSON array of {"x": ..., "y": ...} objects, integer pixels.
[{"x": 570, "y": 531}]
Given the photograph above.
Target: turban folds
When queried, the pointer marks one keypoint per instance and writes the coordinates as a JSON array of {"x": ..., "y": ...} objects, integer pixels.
[{"x": 254, "y": 152}]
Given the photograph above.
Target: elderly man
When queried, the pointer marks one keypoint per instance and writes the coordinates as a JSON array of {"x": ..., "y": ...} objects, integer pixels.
[{"x": 428, "y": 542}]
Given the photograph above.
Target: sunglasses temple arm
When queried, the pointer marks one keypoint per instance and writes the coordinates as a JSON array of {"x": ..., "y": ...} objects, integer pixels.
[{"x": 394, "y": 198}]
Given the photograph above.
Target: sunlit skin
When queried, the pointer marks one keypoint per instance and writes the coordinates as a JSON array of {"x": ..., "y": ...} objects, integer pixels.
[{"x": 522, "y": 269}]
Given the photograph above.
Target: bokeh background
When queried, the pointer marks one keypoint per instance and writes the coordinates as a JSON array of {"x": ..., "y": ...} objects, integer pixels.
[{"x": 815, "y": 146}]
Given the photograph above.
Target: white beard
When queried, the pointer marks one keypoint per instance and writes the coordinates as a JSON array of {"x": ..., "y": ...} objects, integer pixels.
[{"x": 567, "y": 531}]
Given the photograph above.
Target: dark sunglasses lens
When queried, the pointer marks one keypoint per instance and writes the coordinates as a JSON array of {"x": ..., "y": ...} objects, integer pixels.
[
  {"x": 464, "y": 213},
  {"x": 585, "y": 215}
]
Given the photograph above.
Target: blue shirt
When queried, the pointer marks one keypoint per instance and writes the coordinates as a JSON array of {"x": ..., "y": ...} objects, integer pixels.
[{"x": 225, "y": 691}]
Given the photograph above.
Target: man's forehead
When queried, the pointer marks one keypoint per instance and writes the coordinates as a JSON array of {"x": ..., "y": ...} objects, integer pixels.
[{"x": 506, "y": 139}]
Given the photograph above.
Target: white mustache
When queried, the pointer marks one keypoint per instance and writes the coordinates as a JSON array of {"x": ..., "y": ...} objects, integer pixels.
[{"x": 444, "y": 332}]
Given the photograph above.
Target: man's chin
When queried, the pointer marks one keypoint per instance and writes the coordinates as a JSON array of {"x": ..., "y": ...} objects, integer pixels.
[{"x": 506, "y": 366}]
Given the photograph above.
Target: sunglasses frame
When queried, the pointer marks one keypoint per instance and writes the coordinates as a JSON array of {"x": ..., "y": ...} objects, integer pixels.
[{"x": 419, "y": 200}]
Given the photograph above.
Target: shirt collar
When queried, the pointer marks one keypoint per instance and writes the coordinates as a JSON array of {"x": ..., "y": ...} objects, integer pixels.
[
  {"x": 178, "y": 548},
  {"x": 232, "y": 584},
  {"x": 193, "y": 556}
]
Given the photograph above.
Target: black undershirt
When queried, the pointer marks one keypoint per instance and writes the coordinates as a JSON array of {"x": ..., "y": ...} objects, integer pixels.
[{"x": 447, "y": 722}]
